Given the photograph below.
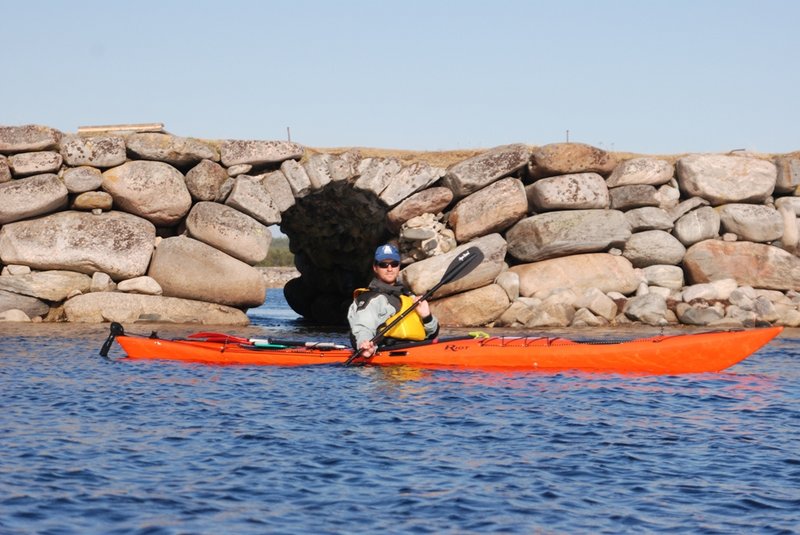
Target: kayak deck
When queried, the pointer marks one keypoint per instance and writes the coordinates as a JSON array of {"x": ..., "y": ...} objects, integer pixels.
[{"x": 664, "y": 354}]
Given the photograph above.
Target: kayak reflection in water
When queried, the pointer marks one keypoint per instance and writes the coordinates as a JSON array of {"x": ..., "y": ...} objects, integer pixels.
[{"x": 382, "y": 301}]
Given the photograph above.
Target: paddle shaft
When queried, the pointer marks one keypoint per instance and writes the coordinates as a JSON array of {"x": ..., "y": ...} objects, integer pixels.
[{"x": 464, "y": 263}]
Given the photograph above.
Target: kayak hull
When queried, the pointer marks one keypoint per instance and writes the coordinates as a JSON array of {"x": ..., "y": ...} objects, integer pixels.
[{"x": 666, "y": 354}]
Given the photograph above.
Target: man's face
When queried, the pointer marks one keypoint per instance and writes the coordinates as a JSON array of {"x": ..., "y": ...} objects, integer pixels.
[{"x": 387, "y": 270}]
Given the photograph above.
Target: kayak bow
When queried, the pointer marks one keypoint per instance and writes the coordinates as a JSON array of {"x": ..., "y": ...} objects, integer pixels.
[{"x": 663, "y": 354}]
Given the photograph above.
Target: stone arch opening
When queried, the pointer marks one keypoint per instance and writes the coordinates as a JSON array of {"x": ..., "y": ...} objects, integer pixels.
[{"x": 332, "y": 233}]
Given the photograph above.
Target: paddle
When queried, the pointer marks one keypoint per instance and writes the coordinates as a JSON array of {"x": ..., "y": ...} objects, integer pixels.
[
  {"x": 115, "y": 329},
  {"x": 463, "y": 264}
]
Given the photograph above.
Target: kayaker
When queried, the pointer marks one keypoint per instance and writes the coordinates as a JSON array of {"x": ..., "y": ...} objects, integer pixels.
[{"x": 385, "y": 298}]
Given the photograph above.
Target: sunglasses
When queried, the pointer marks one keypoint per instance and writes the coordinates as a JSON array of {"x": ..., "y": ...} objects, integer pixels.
[{"x": 384, "y": 265}]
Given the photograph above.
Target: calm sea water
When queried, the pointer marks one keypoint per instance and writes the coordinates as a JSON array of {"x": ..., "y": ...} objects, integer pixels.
[{"x": 95, "y": 446}]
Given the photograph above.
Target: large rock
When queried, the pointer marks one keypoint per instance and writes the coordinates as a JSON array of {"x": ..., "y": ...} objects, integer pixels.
[
  {"x": 472, "y": 308},
  {"x": 409, "y": 180},
  {"x": 697, "y": 315},
  {"x": 423, "y": 275},
  {"x": 205, "y": 180},
  {"x": 791, "y": 204},
  {"x": 641, "y": 171},
  {"x": 28, "y": 138},
  {"x": 101, "y": 282},
  {"x": 668, "y": 196},
  {"x": 48, "y": 285},
  {"x": 240, "y": 169},
  {"x": 563, "y": 296},
  {"x": 726, "y": 179},
  {"x": 583, "y": 317},
  {"x": 582, "y": 191},
  {"x": 697, "y": 225},
  {"x": 653, "y": 247},
  {"x": 551, "y": 315},
  {"x": 230, "y": 231},
  {"x": 635, "y": 196},
  {"x": 82, "y": 179},
  {"x": 376, "y": 173},
  {"x": 279, "y": 189},
  {"x": 649, "y": 308},
  {"x": 608, "y": 273},
  {"x": 720, "y": 289},
  {"x": 684, "y": 207},
  {"x": 492, "y": 209},
  {"x": 597, "y": 303},
  {"x": 297, "y": 177},
  {"x": 34, "y": 163},
  {"x": 14, "y": 315},
  {"x": 249, "y": 196},
  {"x": 318, "y": 169},
  {"x": 791, "y": 229},
  {"x": 475, "y": 173},
  {"x": 648, "y": 218},
  {"x": 788, "y": 178},
  {"x": 116, "y": 243},
  {"x": 155, "y": 191},
  {"x": 751, "y": 264},
  {"x": 234, "y": 152},
  {"x": 427, "y": 201},
  {"x": 343, "y": 167},
  {"x": 174, "y": 150},
  {"x": 93, "y": 200},
  {"x": 5, "y": 170},
  {"x": 31, "y": 306},
  {"x": 15, "y": 269},
  {"x": 516, "y": 315},
  {"x": 751, "y": 222},
  {"x": 102, "y": 307},
  {"x": 140, "y": 285},
  {"x": 97, "y": 151},
  {"x": 190, "y": 269},
  {"x": 509, "y": 282},
  {"x": 665, "y": 276},
  {"x": 30, "y": 197},
  {"x": 564, "y": 233},
  {"x": 569, "y": 158}
]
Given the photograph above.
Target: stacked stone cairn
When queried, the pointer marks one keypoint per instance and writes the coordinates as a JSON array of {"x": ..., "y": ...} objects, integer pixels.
[{"x": 136, "y": 226}]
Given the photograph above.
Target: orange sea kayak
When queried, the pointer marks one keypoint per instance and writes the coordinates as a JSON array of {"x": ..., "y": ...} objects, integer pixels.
[{"x": 664, "y": 354}]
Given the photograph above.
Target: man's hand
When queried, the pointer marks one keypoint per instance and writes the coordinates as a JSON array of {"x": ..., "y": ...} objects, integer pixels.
[
  {"x": 423, "y": 309},
  {"x": 366, "y": 349}
]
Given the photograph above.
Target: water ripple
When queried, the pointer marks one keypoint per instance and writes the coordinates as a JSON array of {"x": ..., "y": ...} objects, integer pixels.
[{"x": 92, "y": 446}]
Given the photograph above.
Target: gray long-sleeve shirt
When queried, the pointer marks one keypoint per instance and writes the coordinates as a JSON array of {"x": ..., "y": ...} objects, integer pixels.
[{"x": 364, "y": 321}]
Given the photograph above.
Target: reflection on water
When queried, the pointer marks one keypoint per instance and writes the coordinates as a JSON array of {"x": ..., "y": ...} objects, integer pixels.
[{"x": 97, "y": 446}]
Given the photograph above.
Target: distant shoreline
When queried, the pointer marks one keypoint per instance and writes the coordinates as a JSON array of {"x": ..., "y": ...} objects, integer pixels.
[{"x": 278, "y": 276}]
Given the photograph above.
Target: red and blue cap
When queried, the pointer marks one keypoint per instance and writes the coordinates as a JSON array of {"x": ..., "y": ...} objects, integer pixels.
[{"x": 387, "y": 252}]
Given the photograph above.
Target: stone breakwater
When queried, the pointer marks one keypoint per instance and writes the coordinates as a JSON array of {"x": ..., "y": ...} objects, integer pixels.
[{"x": 146, "y": 226}]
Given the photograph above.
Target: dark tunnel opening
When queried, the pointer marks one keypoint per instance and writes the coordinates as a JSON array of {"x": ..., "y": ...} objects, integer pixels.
[{"x": 333, "y": 233}]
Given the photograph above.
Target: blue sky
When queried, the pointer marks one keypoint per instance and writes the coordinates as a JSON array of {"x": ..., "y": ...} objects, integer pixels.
[{"x": 653, "y": 77}]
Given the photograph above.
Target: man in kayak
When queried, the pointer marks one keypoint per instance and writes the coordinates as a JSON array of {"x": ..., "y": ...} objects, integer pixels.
[{"x": 386, "y": 298}]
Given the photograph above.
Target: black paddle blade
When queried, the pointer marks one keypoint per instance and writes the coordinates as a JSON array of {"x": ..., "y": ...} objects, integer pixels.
[
  {"x": 116, "y": 329},
  {"x": 462, "y": 265}
]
